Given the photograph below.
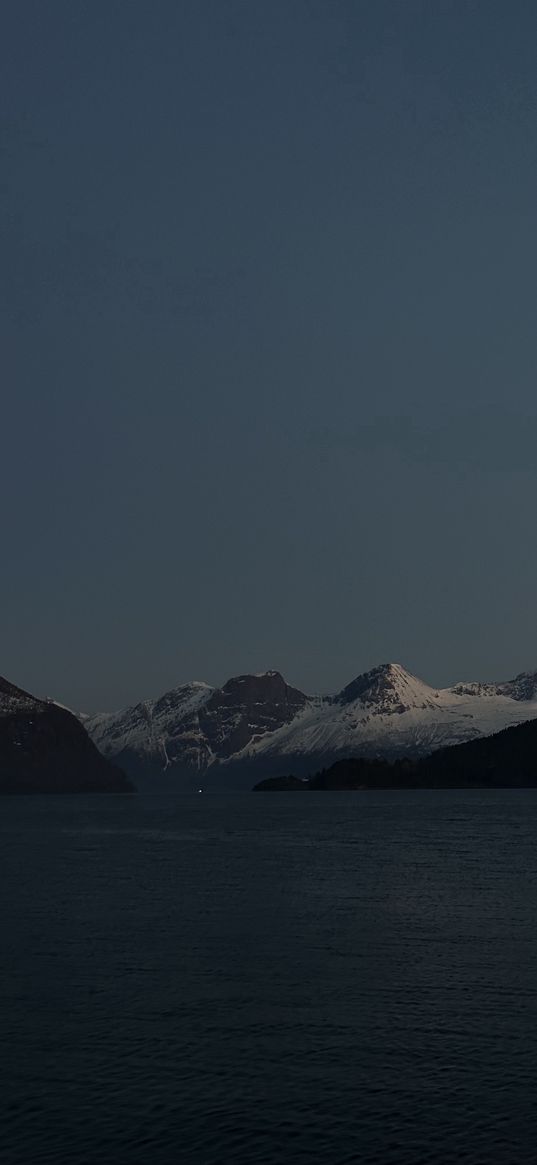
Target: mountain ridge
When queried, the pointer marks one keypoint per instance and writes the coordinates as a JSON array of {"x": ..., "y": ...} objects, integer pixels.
[{"x": 196, "y": 734}]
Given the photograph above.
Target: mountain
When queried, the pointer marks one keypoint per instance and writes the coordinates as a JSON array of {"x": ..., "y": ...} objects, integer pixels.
[
  {"x": 44, "y": 749},
  {"x": 195, "y": 728},
  {"x": 257, "y": 725},
  {"x": 507, "y": 759}
]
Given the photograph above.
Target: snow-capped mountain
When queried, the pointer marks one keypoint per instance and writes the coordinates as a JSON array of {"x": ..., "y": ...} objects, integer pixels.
[
  {"x": 255, "y": 725},
  {"x": 195, "y": 727}
]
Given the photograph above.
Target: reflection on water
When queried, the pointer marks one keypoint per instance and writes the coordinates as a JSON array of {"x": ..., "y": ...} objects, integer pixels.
[{"x": 323, "y": 978}]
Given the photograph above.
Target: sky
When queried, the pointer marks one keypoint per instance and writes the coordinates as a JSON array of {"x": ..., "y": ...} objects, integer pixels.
[{"x": 269, "y": 342}]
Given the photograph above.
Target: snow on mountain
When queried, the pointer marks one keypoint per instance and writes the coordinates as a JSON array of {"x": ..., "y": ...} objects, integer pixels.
[
  {"x": 219, "y": 735},
  {"x": 154, "y": 730},
  {"x": 194, "y": 726},
  {"x": 523, "y": 687},
  {"x": 13, "y": 701},
  {"x": 390, "y": 712}
]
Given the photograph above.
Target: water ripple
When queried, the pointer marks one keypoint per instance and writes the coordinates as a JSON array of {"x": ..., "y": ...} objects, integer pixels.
[{"x": 270, "y": 980}]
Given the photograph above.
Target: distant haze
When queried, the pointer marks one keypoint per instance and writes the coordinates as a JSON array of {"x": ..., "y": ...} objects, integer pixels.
[{"x": 269, "y": 342}]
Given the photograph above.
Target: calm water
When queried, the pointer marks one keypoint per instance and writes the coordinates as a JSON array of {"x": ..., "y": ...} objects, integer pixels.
[{"x": 269, "y": 979}]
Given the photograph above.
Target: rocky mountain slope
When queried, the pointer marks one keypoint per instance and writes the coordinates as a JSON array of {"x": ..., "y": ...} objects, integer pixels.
[
  {"x": 257, "y": 725},
  {"x": 44, "y": 749}
]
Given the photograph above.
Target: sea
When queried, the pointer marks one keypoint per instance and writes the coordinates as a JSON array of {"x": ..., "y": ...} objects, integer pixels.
[{"x": 269, "y": 979}]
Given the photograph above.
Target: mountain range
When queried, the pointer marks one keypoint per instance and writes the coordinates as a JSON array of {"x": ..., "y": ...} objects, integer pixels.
[{"x": 258, "y": 725}]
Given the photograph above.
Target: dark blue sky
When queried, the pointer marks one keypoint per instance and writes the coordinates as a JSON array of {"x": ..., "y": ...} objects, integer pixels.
[{"x": 269, "y": 341}]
